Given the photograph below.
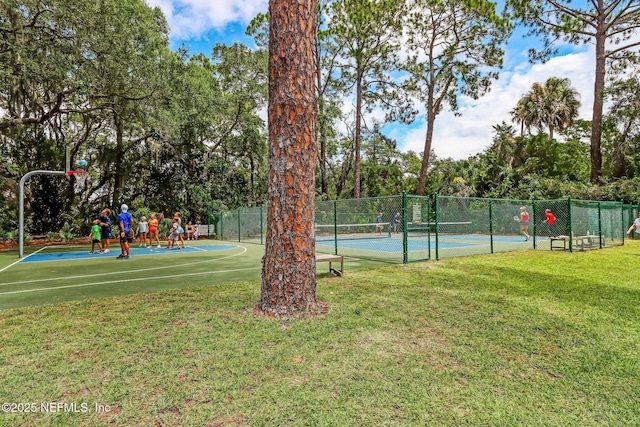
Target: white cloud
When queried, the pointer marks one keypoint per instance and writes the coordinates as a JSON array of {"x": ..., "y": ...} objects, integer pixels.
[
  {"x": 472, "y": 132},
  {"x": 193, "y": 18}
]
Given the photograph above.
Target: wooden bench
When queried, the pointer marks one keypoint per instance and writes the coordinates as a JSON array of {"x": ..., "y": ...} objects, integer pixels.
[
  {"x": 579, "y": 242},
  {"x": 582, "y": 242},
  {"x": 563, "y": 239},
  {"x": 332, "y": 258}
]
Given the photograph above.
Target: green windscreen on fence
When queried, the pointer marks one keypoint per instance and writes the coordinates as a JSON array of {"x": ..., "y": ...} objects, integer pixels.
[{"x": 406, "y": 228}]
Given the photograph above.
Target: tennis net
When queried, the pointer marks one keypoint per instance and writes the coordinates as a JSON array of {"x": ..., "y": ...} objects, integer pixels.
[
  {"x": 331, "y": 232},
  {"x": 420, "y": 229}
]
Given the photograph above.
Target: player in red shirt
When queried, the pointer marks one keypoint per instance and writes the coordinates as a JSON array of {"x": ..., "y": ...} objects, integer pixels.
[{"x": 550, "y": 219}]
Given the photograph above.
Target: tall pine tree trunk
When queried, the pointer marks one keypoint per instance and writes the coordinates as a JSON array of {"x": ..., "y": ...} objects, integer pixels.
[
  {"x": 358, "y": 142},
  {"x": 119, "y": 178},
  {"x": 426, "y": 156},
  {"x": 598, "y": 103},
  {"x": 288, "y": 272}
]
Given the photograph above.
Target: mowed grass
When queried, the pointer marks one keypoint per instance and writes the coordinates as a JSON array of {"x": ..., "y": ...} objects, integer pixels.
[
  {"x": 27, "y": 284},
  {"x": 525, "y": 338}
]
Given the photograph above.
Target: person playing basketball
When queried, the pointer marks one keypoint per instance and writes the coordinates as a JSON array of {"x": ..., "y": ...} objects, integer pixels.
[{"x": 105, "y": 234}]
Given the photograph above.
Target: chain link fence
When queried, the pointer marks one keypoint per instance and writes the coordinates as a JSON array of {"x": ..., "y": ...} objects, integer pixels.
[
  {"x": 629, "y": 214},
  {"x": 405, "y": 228},
  {"x": 246, "y": 225}
]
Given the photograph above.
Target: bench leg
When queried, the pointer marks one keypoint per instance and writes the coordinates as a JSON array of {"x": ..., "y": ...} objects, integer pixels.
[{"x": 336, "y": 272}]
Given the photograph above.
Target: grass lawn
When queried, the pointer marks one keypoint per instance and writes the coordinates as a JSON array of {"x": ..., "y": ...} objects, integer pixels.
[{"x": 523, "y": 338}]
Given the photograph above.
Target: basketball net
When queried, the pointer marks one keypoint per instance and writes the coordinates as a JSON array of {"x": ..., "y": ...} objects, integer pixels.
[{"x": 80, "y": 177}]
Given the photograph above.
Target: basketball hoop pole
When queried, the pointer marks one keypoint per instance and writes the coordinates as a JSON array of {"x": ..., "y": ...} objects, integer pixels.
[{"x": 21, "y": 199}]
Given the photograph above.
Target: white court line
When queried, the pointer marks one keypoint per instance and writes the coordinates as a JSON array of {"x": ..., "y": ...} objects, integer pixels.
[
  {"x": 197, "y": 248},
  {"x": 84, "y": 276},
  {"x": 127, "y": 280},
  {"x": 22, "y": 259}
]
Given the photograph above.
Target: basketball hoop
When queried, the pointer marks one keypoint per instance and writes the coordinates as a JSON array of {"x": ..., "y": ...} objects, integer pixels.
[{"x": 80, "y": 177}]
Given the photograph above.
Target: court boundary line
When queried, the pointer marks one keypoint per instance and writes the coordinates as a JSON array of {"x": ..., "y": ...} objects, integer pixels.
[
  {"x": 126, "y": 272},
  {"x": 22, "y": 259},
  {"x": 139, "y": 279},
  {"x": 125, "y": 281}
]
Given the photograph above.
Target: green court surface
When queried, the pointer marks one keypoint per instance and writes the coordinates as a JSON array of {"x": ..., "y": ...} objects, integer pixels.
[{"x": 53, "y": 275}]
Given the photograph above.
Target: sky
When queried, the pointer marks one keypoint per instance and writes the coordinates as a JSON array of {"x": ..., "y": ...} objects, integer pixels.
[{"x": 200, "y": 24}]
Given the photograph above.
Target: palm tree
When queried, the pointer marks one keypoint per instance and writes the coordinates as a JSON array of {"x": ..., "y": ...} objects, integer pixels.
[
  {"x": 554, "y": 105},
  {"x": 563, "y": 103},
  {"x": 525, "y": 113}
]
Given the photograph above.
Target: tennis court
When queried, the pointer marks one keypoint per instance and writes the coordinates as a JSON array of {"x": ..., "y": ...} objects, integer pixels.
[{"x": 387, "y": 241}]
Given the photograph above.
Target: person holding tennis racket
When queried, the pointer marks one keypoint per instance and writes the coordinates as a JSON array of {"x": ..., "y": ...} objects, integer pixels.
[{"x": 524, "y": 223}]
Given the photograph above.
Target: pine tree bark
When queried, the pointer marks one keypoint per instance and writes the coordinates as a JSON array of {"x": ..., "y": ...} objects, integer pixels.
[
  {"x": 288, "y": 272},
  {"x": 598, "y": 106}
]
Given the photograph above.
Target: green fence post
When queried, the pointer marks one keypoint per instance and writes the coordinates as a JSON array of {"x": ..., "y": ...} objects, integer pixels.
[
  {"x": 335, "y": 226},
  {"x": 491, "y": 224},
  {"x": 261, "y": 224},
  {"x": 622, "y": 222},
  {"x": 405, "y": 246},
  {"x": 534, "y": 221},
  {"x": 221, "y": 227},
  {"x": 570, "y": 225},
  {"x": 239, "y": 225},
  {"x": 428, "y": 228},
  {"x": 436, "y": 225},
  {"x": 600, "y": 225}
]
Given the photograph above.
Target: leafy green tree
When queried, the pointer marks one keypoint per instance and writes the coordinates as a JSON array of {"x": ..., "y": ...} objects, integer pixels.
[
  {"x": 368, "y": 33},
  {"x": 608, "y": 24},
  {"x": 454, "y": 49},
  {"x": 130, "y": 83},
  {"x": 238, "y": 132},
  {"x": 340, "y": 165},
  {"x": 624, "y": 120},
  {"x": 326, "y": 54},
  {"x": 382, "y": 166},
  {"x": 69, "y": 66},
  {"x": 451, "y": 177},
  {"x": 41, "y": 58},
  {"x": 513, "y": 166}
]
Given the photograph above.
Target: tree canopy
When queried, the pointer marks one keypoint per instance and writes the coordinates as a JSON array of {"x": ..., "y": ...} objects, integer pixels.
[{"x": 610, "y": 25}]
